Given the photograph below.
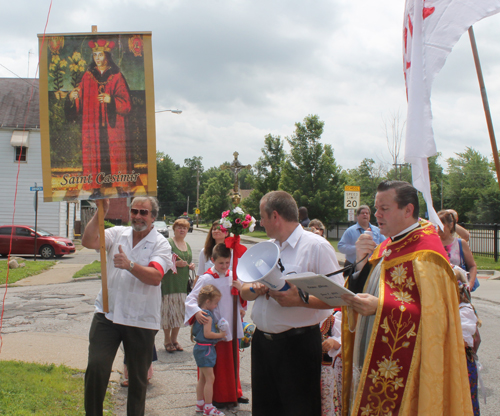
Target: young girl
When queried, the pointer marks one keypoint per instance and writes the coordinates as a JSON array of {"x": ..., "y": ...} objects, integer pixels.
[
  {"x": 470, "y": 323},
  {"x": 220, "y": 276},
  {"x": 206, "y": 336}
]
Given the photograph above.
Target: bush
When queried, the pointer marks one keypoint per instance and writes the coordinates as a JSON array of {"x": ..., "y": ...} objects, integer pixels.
[{"x": 108, "y": 224}]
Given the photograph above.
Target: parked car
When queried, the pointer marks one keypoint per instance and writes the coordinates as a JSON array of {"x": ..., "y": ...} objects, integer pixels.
[
  {"x": 23, "y": 242},
  {"x": 161, "y": 227},
  {"x": 185, "y": 217}
]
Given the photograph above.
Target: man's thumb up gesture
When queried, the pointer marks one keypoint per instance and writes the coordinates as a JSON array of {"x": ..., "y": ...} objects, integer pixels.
[{"x": 121, "y": 260}]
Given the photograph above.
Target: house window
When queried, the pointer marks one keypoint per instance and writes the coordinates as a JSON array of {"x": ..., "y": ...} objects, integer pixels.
[{"x": 21, "y": 153}]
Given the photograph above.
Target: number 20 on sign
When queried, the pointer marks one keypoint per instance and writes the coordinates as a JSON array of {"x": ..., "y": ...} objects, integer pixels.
[{"x": 351, "y": 197}]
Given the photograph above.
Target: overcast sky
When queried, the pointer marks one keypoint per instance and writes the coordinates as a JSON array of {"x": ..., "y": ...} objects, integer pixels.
[{"x": 241, "y": 69}]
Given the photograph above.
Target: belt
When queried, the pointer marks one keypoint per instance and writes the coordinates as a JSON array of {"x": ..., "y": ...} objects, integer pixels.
[{"x": 290, "y": 333}]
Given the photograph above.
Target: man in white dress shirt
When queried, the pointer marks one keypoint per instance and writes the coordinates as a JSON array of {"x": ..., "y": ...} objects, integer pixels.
[
  {"x": 137, "y": 259},
  {"x": 286, "y": 346}
]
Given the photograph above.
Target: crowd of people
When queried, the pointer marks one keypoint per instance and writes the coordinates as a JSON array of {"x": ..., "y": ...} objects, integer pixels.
[{"x": 404, "y": 341}]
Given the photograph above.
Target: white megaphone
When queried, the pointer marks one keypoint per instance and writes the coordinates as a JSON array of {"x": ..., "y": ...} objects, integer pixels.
[{"x": 261, "y": 263}]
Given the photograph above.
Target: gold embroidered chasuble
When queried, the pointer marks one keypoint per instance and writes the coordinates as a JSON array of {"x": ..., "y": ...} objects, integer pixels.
[{"x": 415, "y": 360}]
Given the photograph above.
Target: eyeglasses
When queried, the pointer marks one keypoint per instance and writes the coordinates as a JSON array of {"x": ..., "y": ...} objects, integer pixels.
[{"x": 143, "y": 212}]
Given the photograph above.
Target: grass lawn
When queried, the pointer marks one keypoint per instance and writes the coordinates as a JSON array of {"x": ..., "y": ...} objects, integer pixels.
[
  {"x": 258, "y": 234},
  {"x": 89, "y": 269},
  {"x": 334, "y": 243},
  {"x": 31, "y": 268},
  {"x": 486, "y": 263},
  {"x": 36, "y": 389}
]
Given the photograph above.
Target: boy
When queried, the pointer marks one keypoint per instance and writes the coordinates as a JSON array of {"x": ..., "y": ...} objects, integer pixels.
[{"x": 220, "y": 276}]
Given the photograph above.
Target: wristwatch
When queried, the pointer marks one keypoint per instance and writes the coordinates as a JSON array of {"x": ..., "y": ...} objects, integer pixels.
[{"x": 132, "y": 264}]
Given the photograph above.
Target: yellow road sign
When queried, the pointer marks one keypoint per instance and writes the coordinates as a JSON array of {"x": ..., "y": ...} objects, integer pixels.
[{"x": 352, "y": 188}]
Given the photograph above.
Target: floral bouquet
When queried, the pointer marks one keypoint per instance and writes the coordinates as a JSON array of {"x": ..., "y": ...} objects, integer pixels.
[{"x": 237, "y": 222}]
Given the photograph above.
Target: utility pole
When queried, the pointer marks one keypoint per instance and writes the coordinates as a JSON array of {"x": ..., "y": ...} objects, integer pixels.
[{"x": 197, "y": 194}]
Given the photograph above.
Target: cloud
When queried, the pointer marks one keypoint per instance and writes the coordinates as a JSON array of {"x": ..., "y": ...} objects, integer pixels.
[{"x": 241, "y": 69}]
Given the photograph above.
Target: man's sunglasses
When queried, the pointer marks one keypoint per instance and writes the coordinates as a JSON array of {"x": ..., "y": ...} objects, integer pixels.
[{"x": 143, "y": 212}]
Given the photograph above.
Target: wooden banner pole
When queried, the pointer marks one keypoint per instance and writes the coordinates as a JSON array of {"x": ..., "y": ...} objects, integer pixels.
[
  {"x": 486, "y": 106},
  {"x": 102, "y": 249}
]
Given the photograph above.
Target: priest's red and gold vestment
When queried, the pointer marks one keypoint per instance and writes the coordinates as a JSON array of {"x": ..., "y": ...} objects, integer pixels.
[{"x": 414, "y": 359}]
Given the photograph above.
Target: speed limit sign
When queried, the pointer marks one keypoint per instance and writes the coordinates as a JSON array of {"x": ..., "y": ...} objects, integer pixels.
[{"x": 351, "y": 197}]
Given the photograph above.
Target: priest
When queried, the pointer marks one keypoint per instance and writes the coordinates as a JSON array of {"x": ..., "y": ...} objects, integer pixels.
[{"x": 402, "y": 349}]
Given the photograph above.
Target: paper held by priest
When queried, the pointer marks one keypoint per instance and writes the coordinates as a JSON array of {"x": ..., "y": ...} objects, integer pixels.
[{"x": 320, "y": 286}]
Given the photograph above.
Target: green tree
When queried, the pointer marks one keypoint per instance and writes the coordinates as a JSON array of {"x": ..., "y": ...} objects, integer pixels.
[
  {"x": 436, "y": 177},
  {"x": 367, "y": 176},
  {"x": 311, "y": 174},
  {"x": 266, "y": 173},
  {"x": 401, "y": 172},
  {"x": 469, "y": 176},
  {"x": 166, "y": 171},
  {"x": 186, "y": 182},
  {"x": 488, "y": 207},
  {"x": 216, "y": 197}
]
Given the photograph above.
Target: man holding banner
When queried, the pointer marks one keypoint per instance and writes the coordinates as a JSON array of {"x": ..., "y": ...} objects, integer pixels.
[{"x": 137, "y": 258}]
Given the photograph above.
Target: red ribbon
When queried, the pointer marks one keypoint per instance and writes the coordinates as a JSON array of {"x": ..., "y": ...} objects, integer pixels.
[{"x": 238, "y": 251}]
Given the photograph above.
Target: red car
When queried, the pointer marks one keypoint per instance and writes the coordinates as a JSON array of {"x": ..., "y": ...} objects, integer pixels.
[{"x": 23, "y": 242}]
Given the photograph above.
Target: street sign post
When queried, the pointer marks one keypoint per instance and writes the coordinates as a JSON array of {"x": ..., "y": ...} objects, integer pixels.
[
  {"x": 351, "y": 197},
  {"x": 35, "y": 204},
  {"x": 350, "y": 215}
]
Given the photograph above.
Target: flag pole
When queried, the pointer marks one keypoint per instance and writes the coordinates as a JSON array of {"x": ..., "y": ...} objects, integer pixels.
[{"x": 486, "y": 106}]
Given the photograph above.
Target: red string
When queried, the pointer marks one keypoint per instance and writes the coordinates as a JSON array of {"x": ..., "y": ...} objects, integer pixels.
[{"x": 17, "y": 178}]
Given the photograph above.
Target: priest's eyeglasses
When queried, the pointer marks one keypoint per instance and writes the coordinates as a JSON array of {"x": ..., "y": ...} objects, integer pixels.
[{"x": 143, "y": 212}]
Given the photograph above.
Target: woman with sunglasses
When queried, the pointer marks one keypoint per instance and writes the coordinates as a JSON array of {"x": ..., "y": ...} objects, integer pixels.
[
  {"x": 458, "y": 250},
  {"x": 215, "y": 236},
  {"x": 174, "y": 287}
]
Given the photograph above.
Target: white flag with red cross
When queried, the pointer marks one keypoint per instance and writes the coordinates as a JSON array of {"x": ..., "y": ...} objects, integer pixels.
[{"x": 431, "y": 29}]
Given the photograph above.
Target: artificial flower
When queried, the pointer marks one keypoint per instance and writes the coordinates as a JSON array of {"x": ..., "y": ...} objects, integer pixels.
[{"x": 237, "y": 222}]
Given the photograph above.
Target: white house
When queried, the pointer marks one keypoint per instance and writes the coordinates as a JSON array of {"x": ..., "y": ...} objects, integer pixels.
[{"x": 21, "y": 162}]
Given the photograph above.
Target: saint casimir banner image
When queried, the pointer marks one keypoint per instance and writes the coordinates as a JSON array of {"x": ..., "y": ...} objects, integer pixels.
[{"x": 97, "y": 116}]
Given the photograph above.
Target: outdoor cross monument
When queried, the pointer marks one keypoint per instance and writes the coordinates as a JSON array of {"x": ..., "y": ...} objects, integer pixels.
[{"x": 236, "y": 167}]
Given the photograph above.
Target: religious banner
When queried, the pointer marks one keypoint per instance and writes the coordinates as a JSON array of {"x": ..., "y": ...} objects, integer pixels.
[
  {"x": 431, "y": 29},
  {"x": 97, "y": 116}
]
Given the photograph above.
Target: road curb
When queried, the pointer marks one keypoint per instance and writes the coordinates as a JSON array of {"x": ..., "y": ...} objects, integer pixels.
[{"x": 491, "y": 274}]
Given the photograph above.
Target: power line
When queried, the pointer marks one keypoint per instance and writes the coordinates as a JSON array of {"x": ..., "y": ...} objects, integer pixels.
[{"x": 24, "y": 79}]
